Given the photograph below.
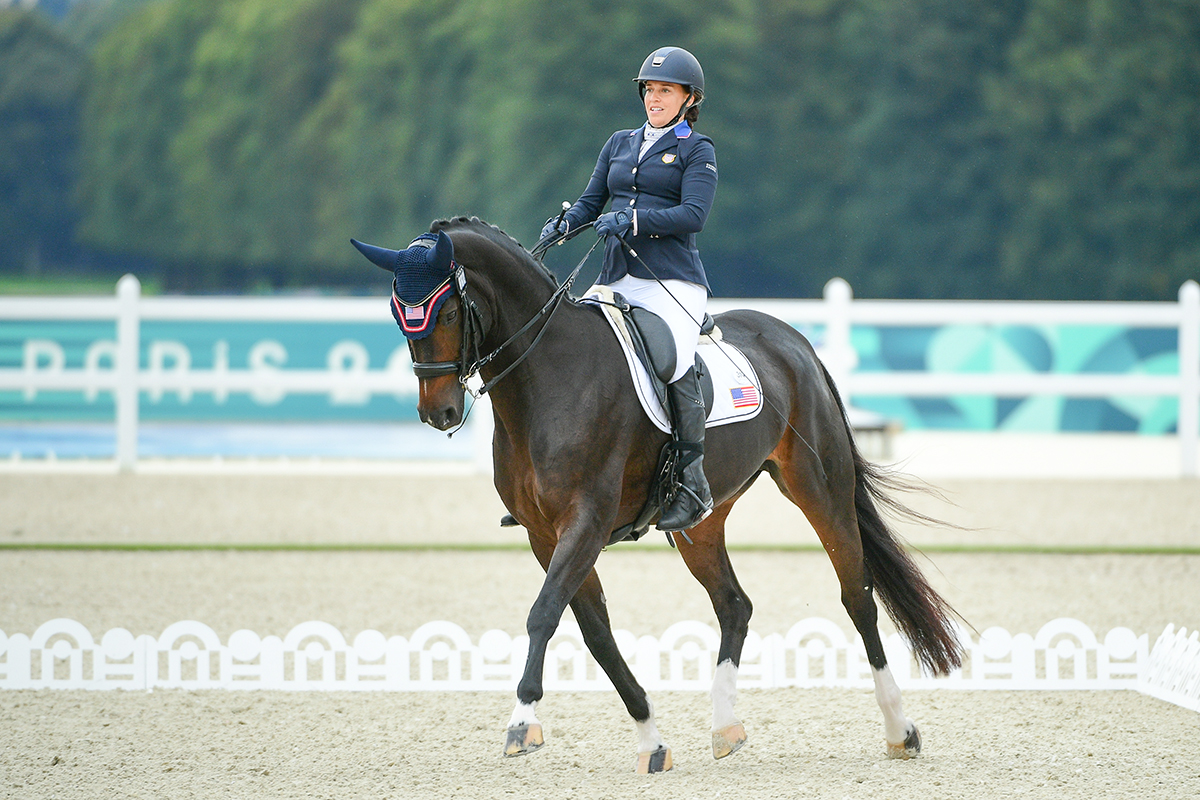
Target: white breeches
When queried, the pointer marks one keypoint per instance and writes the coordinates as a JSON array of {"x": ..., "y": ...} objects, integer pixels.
[{"x": 682, "y": 317}]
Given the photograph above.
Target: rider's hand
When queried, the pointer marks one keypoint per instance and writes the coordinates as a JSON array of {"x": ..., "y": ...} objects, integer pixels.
[
  {"x": 615, "y": 223},
  {"x": 554, "y": 225}
]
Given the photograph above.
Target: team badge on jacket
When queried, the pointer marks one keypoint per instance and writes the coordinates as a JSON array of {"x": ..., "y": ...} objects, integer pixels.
[{"x": 668, "y": 158}]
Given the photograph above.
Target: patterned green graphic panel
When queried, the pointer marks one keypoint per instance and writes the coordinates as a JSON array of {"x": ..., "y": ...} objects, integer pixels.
[{"x": 1095, "y": 349}]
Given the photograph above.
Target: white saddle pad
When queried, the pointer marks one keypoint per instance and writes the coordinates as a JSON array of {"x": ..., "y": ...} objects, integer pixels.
[{"x": 737, "y": 393}]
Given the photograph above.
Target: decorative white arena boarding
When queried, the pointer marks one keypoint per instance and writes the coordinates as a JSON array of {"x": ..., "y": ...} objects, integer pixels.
[
  {"x": 440, "y": 656},
  {"x": 1173, "y": 673}
]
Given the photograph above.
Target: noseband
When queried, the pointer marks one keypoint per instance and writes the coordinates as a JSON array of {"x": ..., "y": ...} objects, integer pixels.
[{"x": 471, "y": 333}]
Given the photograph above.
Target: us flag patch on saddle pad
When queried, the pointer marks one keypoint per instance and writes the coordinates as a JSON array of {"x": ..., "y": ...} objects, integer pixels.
[{"x": 744, "y": 396}]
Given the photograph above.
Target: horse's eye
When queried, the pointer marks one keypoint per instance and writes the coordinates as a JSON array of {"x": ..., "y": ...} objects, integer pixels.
[{"x": 451, "y": 315}]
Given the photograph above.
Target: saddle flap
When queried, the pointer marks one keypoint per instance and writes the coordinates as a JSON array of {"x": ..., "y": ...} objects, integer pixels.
[{"x": 658, "y": 341}]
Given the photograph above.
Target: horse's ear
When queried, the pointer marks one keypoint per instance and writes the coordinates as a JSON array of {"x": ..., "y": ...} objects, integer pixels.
[
  {"x": 441, "y": 255},
  {"x": 379, "y": 256}
]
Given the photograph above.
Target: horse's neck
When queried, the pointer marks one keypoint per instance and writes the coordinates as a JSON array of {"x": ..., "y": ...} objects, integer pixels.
[{"x": 553, "y": 373}]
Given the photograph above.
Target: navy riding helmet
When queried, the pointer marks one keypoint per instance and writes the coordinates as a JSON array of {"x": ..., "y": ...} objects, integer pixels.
[{"x": 672, "y": 65}]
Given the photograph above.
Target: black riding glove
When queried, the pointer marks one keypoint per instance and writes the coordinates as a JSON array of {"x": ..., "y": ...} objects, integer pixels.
[
  {"x": 615, "y": 223},
  {"x": 555, "y": 225}
]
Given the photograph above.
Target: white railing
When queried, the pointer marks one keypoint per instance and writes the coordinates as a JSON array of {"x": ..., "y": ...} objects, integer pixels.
[
  {"x": 441, "y": 656},
  {"x": 346, "y": 375},
  {"x": 838, "y": 312}
]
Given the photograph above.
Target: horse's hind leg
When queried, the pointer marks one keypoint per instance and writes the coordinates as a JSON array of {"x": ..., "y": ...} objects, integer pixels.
[
  {"x": 830, "y": 510},
  {"x": 708, "y": 561}
]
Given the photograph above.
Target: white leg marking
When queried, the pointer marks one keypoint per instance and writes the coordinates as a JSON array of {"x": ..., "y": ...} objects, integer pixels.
[
  {"x": 724, "y": 695},
  {"x": 649, "y": 739},
  {"x": 887, "y": 694},
  {"x": 523, "y": 714}
]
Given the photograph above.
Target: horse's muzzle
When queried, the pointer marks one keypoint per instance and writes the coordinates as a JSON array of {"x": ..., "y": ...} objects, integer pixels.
[{"x": 443, "y": 418}]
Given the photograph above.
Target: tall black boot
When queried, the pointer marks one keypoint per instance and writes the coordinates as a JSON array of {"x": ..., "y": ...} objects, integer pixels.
[{"x": 694, "y": 501}]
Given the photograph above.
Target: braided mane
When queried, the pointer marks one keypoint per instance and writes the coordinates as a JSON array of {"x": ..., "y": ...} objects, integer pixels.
[{"x": 496, "y": 236}]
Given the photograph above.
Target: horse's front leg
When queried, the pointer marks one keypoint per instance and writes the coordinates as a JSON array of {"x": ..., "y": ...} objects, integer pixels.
[
  {"x": 563, "y": 563},
  {"x": 591, "y": 612},
  {"x": 567, "y": 560}
]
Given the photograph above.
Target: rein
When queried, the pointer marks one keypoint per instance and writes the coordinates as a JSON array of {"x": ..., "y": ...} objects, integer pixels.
[
  {"x": 467, "y": 367},
  {"x": 547, "y": 310}
]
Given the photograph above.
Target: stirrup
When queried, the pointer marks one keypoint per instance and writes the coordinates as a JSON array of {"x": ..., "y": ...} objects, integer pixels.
[{"x": 703, "y": 509}]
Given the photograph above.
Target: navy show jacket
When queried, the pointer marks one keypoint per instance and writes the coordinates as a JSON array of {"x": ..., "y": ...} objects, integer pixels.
[{"x": 671, "y": 192}]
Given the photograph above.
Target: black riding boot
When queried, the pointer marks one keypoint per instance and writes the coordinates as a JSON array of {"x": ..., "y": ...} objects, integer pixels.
[{"x": 694, "y": 500}]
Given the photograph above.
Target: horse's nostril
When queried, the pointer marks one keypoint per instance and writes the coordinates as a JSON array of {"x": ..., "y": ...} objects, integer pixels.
[{"x": 443, "y": 418}]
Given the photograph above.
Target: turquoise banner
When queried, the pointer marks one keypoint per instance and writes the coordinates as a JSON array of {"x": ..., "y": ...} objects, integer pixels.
[
  {"x": 1073, "y": 349},
  {"x": 203, "y": 346}
]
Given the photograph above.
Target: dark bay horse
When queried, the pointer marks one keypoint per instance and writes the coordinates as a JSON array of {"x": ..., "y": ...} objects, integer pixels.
[{"x": 575, "y": 454}]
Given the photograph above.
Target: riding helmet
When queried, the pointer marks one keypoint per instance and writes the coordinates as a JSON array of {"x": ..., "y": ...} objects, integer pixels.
[{"x": 671, "y": 65}]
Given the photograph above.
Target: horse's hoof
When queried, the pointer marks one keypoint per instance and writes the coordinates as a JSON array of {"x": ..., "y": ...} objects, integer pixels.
[
  {"x": 728, "y": 740},
  {"x": 909, "y": 748},
  {"x": 655, "y": 761},
  {"x": 523, "y": 739}
]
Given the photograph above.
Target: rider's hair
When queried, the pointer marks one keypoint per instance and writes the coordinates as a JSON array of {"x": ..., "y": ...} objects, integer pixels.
[{"x": 693, "y": 113}]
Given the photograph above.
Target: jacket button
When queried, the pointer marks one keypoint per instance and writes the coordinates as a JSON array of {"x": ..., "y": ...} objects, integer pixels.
[
  {"x": 632, "y": 201},
  {"x": 635, "y": 170}
]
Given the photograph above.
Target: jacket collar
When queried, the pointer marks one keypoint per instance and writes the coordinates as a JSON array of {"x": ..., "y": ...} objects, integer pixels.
[{"x": 680, "y": 131}]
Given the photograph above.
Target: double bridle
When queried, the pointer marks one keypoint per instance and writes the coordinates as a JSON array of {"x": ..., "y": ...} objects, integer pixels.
[{"x": 469, "y": 362}]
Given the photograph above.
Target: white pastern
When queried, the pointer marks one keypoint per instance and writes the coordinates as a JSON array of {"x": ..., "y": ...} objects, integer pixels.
[
  {"x": 724, "y": 695},
  {"x": 523, "y": 714},
  {"x": 649, "y": 739},
  {"x": 887, "y": 694}
]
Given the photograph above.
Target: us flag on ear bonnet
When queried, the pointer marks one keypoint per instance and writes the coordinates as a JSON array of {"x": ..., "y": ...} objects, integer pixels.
[{"x": 421, "y": 281}]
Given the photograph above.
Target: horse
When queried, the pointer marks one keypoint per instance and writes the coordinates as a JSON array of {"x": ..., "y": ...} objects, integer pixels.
[{"x": 574, "y": 455}]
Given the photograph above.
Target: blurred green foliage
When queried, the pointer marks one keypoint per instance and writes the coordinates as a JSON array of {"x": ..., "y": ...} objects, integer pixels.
[
  {"x": 40, "y": 74},
  {"x": 949, "y": 148}
]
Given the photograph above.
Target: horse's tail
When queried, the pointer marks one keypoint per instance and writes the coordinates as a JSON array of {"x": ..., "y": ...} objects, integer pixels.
[{"x": 922, "y": 616}]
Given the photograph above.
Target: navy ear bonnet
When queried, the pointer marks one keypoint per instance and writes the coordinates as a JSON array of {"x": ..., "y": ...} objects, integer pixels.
[{"x": 422, "y": 281}]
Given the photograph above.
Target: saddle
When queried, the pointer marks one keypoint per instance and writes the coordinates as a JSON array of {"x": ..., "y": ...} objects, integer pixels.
[
  {"x": 655, "y": 347},
  {"x": 648, "y": 337}
]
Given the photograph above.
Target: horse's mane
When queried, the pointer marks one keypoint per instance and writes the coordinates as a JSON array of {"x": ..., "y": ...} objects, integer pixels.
[{"x": 497, "y": 237}]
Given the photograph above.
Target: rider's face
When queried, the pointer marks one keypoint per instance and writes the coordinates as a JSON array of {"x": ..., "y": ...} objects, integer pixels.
[{"x": 663, "y": 101}]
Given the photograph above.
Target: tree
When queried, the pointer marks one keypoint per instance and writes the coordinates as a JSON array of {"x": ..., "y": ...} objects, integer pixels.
[
  {"x": 40, "y": 75},
  {"x": 134, "y": 106},
  {"x": 1099, "y": 110},
  {"x": 248, "y": 171}
]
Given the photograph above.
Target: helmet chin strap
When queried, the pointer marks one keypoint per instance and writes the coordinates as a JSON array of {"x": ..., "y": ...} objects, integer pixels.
[{"x": 682, "y": 110}]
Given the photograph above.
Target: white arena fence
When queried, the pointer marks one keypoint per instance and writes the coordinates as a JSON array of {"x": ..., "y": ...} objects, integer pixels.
[
  {"x": 348, "y": 376},
  {"x": 440, "y": 656}
]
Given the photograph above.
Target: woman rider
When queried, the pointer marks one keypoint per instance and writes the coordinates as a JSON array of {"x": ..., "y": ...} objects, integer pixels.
[{"x": 661, "y": 178}]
